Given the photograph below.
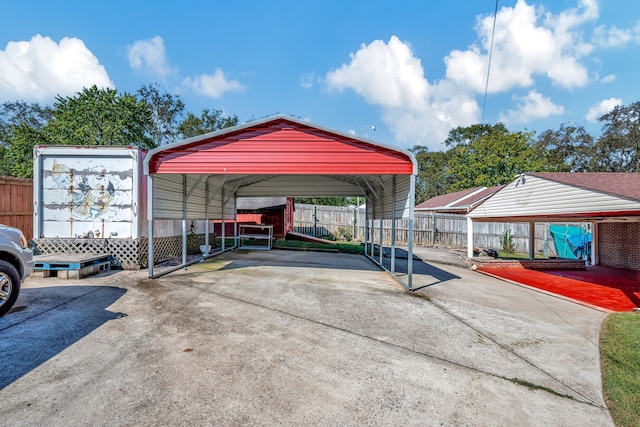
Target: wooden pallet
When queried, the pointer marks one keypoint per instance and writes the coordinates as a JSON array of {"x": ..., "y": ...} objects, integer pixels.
[{"x": 70, "y": 265}]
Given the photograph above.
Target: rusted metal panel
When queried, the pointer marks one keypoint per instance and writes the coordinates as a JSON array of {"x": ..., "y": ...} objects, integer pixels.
[
  {"x": 88, "y": 192},
  {"x": 281, "y": 147}
]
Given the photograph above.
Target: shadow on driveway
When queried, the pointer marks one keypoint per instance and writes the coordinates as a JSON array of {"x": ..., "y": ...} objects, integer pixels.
[
  {"x": 65, "y": 314},
  {"x": 423, "y": 272}
]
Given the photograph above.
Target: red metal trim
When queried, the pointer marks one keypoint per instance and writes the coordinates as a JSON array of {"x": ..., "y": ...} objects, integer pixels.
[
  {"x": 281, "y": 147},
  {"x": 565, "y": 217}
]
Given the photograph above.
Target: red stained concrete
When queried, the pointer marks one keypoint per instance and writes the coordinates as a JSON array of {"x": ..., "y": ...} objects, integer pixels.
[{"x": 613, "y": 289}]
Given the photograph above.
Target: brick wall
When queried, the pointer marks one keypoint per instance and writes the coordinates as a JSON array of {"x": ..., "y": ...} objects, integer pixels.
[
  {"x": 619, "y": 244},
  {"x": 568, "y": 264}
]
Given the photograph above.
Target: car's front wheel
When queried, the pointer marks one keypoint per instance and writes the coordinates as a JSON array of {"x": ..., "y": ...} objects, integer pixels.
[{"x": 9, "y": 286}]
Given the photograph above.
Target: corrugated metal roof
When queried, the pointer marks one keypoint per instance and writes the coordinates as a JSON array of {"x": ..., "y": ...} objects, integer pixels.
[
  {"x": 476, "y": 198},
  {"x": 279, "y": 145},
  {"x": 280, "y": 156},
  {"x": 459, "y": 201},
  {"x": 444, "y": 200},
  {"x": 255, "y": 203}
]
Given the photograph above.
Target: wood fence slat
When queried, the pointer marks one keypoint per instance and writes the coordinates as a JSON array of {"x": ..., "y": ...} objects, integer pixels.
[
  {"x": 16, "y": 204},
  {"x": 435, "y": 229}
]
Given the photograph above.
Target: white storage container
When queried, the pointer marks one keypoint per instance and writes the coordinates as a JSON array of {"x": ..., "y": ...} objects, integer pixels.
[{"x": 89, "y": 192}]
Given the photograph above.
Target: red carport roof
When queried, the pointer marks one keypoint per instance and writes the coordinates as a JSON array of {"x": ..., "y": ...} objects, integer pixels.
[{"x": 278, "y": 145}]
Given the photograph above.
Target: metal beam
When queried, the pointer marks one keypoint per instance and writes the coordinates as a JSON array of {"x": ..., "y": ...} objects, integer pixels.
[
  {"x": 150, "y": 225},
  {"x": 393, "y": 225},
  {"x": 412, "y": 198},
  {"x": 372, "y": 190},
  {"x": 469, "y": 238},
  {"x": 381, "y": 229},
  {"x": 195, "y": 185},
  {"x": 222, "y": 225},
  {"x": 532, "y": 240},
  {"x": 206, "y": 218},
  {"x": 184, "y": 219},
  {"x": 208, "y": 200}
]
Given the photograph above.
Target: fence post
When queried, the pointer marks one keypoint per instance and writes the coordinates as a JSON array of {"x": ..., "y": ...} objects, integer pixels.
[
  {"x": 433, "y": 228},
  {"x": 315, "y": 221},
  {"x": 355, "y": 223}
]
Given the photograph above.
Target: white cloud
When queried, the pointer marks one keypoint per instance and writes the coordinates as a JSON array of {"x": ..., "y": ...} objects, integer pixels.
[
  {"x": 40, "y": 69},
  {"x": 615, "y": 37},
  {"x": 213, "y": 85},
  {"x": 527, "y": 43},
  {"x": 384, "y": 74},
  {"x": 610, "y": 78},
  {"x": 603, "y": 107},
  {"x": 150, "y": 56},
  {"x": 307, "y": 80},
  {"x": 531, "y": 46},
  {"x": 531, "y": 107},
  {"x": 390, "y": 76}
]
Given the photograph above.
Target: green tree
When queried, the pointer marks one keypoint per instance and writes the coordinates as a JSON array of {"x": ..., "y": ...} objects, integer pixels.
[
  {"x": 20, "y": 156},
  {"x": 488, "y": 155},
  {"x": 433, "y": 177},
  {"x": 467, "y": 135},
  {"x": 166, "y": 111},
  {"x": 568, "y": 149},
  {"x": 329, "y": 201},
  {"x": 21, "y": 127},
  {"x": 100, "y": 117},
  {"x": 618, "y": 149},
  {"x": 14, "y": 113},
  {"x": 209, "y": 121}
]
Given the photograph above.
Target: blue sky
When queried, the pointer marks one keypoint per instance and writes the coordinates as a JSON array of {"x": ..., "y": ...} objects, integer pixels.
[{"x": 412, "y": 69}]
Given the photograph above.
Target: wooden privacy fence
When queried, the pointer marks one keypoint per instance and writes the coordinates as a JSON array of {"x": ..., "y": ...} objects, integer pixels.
[
  {"x": 16, "y": 204},
  {"x": 430, "y": 229}
]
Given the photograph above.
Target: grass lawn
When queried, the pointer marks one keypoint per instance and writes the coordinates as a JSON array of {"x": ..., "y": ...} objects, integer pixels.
[
  {"x": 344, "y": 247},
  {"x": 518, "y": 255},
  {"x": 620, "y": 362}
]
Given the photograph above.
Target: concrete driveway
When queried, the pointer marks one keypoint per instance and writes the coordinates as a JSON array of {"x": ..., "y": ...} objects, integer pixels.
[{"x": 297, "y": 338}]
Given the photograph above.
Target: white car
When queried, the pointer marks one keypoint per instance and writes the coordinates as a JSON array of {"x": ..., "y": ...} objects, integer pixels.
[{"x": 16, "y": 263}]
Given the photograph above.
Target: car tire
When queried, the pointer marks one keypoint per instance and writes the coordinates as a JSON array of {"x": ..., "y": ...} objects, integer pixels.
[{"x": 9, "y": 286}]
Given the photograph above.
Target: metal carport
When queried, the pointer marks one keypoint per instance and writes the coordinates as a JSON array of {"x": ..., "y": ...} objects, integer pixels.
[{"x": 201, "y": 177}]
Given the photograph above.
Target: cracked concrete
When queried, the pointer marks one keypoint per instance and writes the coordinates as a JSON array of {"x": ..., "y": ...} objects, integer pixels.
[{"x": 293, "y": 338}]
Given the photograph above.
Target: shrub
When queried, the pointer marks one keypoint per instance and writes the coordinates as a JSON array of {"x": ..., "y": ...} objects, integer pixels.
[
  {"x": 345, "y": 233},
  {"x": 508, "y": 243}
]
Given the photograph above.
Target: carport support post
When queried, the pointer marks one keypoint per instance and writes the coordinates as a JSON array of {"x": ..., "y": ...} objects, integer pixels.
[
  {"x": 222, "y": 224},
  {"x": 235, "y": 221},
  {"x": 532, "y": 240},
  {"x": 469, "y": 238},
  {"x": 184, "y": 219},
  {"x": 594, "y": 243},
  {"x": 393, "y": 225},
  {"x": 206, "y": 218},
  {"x": 381, "y": 230},
  {"x": 412, "y": 202},
  {"x": 373, "y": 226},
  {"x": 366, "y": 225},
  {"x": 150, "y": 224}
]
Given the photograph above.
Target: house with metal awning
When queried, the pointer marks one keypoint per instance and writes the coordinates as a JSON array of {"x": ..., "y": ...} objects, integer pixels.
[{"x": 609, "y": 201}]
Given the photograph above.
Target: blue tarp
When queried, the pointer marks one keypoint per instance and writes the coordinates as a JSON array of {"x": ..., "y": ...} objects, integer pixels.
[{"x": 571, "y": 241}]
